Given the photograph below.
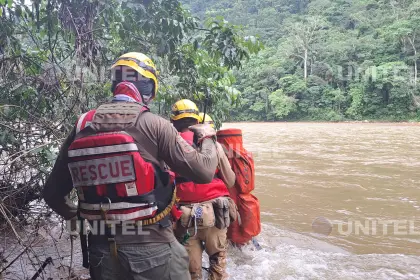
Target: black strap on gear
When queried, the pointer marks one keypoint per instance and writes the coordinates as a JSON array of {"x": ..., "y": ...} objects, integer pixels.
[
  {"x": 206, "y": 101},
  {"x": 83, "y": 241}
]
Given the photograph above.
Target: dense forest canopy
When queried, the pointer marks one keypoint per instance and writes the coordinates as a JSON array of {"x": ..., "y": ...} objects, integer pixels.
[{"x": 326, "y": 59}]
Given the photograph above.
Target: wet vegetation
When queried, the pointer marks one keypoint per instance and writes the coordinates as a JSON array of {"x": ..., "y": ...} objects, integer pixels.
[{"x": 54, "y": 65}]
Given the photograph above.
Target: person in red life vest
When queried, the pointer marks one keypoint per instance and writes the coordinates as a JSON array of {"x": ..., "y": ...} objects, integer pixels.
[
  {"x": 115, "y": 157},
  {"x": 204, "y": 206},
  {"x": 206, "y": 119},
  {"x": 247, "y": 204}
]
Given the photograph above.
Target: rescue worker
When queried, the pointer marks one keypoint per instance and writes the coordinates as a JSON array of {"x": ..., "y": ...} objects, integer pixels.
[
  {"x": 207, "y": 119},
  {"x": 116, "y": 155},
  {"x": 204, "y": 201}
]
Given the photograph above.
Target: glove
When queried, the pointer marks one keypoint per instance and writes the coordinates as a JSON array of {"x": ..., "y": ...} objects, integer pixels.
[
  {"x": 73, "y": 225},
  {"x": 203, "y": 131}
]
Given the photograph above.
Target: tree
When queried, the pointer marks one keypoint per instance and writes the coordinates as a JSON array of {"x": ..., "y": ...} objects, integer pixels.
[
  {"x": 303, "y": 36},
  {"x": 406, "y": 29},
  {"x": 283, "y": 105},
  {"x": 54, "y": 65}
]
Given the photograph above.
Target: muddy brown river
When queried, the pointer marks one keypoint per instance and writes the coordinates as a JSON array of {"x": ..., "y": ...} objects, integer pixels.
[{"x": 338, "y": 201}]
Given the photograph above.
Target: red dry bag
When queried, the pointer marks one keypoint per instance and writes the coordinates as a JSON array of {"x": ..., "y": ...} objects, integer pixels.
[{"x": 242, "y": 164}]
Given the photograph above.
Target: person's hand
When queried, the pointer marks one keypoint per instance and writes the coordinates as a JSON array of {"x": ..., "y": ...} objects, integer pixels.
[{"x": 203, "y": 131}]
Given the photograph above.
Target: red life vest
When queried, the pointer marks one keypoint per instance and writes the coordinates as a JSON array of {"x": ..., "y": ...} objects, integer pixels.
[
  {"x": 110, "y": 174},
  {"x": 190, "y": 192}
]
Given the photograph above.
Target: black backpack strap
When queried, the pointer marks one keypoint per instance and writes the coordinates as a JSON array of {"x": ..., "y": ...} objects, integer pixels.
[{"x": 87, "y": 131}]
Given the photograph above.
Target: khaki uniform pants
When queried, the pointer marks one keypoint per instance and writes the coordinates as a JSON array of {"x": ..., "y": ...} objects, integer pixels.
[
  {"x": 215, "y": 244},
  {"x": 164, "y": 261}
]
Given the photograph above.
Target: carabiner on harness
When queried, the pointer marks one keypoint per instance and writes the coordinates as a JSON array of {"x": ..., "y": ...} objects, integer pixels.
[
  {"x": 103, "y": 211},
  {"x": 188, "y": 234},
  {"x": 193, "y": 216}
]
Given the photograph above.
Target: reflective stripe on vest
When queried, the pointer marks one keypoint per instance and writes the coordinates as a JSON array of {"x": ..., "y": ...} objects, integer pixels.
[
  {"x": 79, "y": 122},
  {"x": 112, "y": 206},
  {"x": 128, "y": 147},
  {"x": 85, "y": 120},
  {"x": 143, "y": 213}
]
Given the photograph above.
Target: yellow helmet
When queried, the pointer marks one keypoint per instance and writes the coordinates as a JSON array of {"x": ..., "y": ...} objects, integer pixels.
[
  {"x": 184, "y": 108},
  {"x": 142, "y": 64},
  {"x": 207, "y": 119}
]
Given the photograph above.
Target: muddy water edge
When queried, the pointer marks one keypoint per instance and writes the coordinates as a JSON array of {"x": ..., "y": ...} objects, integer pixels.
[{"x": 362, "y": 179}]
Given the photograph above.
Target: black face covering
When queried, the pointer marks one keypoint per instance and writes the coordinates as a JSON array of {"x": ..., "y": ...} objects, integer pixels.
[
  {"x": 146, "y": 90},
  {"x": 145, "y": 87}
]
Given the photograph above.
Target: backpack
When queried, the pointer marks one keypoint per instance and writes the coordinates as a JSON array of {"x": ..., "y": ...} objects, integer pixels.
[{"x": 242, "y": 164}]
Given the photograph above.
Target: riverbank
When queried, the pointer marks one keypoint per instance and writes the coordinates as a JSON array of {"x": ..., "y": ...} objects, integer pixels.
[
  {"x": 285, "y": 254},
  {"x": 386, "y": 122},
  {"x": 48, "y": 244}
]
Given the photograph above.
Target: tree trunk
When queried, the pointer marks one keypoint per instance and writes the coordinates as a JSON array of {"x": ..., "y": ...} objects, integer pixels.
[
  {"x": 305, "y": 65},
  {"x": 311, "y": 66},
  {"x": 412, "y": 42},
  {"x": 416, "y": 99},
  {"x": 415, "y": 69}
]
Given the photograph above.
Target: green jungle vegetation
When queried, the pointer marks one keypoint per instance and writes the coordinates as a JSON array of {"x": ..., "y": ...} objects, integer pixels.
[{"x": 327, "y": 60}]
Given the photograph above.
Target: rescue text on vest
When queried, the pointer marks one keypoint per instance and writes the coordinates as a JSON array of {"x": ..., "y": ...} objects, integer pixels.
[{"x": 103, "y": 171}]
